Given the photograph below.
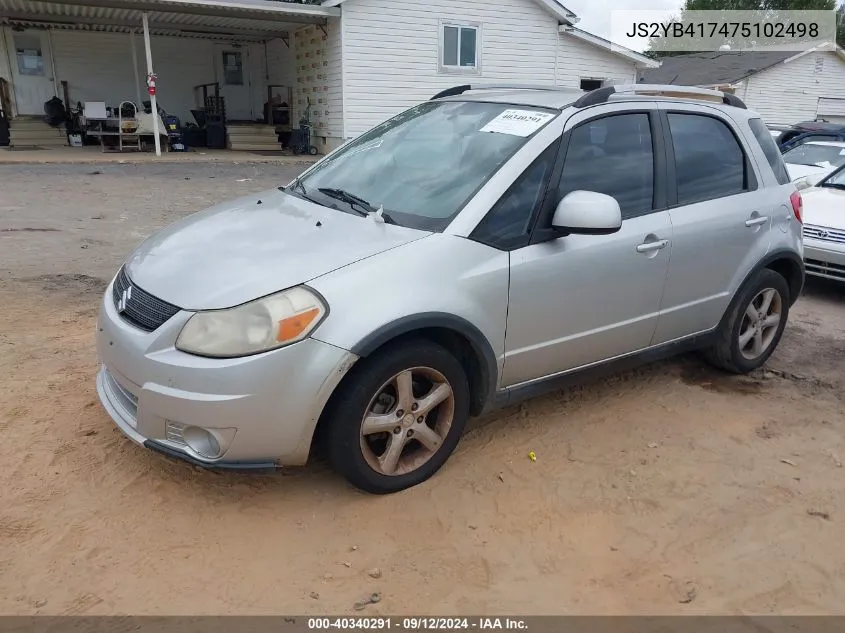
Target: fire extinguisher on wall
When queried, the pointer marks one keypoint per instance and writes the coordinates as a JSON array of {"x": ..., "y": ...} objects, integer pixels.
[{"x": 151, "y": 84}]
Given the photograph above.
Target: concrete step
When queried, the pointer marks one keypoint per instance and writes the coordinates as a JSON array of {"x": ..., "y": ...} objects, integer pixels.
[
  {"x": 34, "y": 134},
  {"x": 256, "y": 147},
  {"x": 30, "y": 124},
  {"x": 38, "y": 142},
  {"x": 250, "y": 130},
  {"x": 254, "y": 138}
]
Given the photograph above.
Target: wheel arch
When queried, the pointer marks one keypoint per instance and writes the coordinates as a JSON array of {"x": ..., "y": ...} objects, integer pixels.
[
  {"x": 787, "y": 264},
  {"x": 469, "y": 345}
]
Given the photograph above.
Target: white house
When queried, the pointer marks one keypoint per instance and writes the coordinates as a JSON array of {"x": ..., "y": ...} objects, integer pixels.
[
  {"x": 785, "y": 87},
  {"x": 358, "y": 61}
]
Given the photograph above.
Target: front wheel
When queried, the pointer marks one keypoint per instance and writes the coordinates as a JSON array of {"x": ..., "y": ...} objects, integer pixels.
[
  {"x": 398, "y": 417},
  {"x": 754, "y": 327}
]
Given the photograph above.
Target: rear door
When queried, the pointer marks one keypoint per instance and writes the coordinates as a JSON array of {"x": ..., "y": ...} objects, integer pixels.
[{"x": 721, "y": 224}]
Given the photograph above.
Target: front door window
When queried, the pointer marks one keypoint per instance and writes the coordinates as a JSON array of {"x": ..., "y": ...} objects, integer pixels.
[
  {"x": 233, "y": 68},
  {"x": 29, "y": 55}
]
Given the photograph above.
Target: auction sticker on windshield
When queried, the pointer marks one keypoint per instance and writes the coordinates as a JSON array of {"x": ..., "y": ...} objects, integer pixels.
[{"x": 518, "y": 122}]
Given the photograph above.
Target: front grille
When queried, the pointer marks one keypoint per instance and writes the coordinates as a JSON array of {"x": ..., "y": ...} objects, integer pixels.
[
  {"x": 139, "y": 307},
  {"x": 824, "y": 269},
  {"x": 125, "y": 398},
  {"x": 824, "y": 234}
]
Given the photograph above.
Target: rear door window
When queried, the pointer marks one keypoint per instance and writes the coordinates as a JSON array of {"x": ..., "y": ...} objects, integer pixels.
[
  {"x": 770, "y": 149},
  {"x": 709, "y": 161}
]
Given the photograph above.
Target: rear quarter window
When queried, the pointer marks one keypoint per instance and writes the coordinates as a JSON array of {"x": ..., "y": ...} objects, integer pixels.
[{"x": 770, "y": 149}]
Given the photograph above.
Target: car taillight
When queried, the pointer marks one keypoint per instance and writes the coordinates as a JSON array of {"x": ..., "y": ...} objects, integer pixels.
[{"x": 797, "y": 206}]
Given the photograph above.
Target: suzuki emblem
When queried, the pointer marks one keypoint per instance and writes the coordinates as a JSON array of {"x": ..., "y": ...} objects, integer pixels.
[{"x": 124, "y": 299}]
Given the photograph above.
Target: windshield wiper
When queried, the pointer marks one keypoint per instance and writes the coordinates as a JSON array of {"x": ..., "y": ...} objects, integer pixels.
[
  {"x": 303, "y": 192},
  {"x": 355, "y": 201},
  {"x": 833, "y": 185},
  {"x": 349, "y": 198}
]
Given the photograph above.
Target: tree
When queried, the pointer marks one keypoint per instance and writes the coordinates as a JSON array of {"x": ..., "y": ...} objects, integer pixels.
[{"x": 769, "y": 8}]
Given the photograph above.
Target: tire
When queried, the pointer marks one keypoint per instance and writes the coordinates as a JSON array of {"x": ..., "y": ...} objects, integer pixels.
[
  {"x": 728, "y": 352},
  {"x": 370, "y": 399}
]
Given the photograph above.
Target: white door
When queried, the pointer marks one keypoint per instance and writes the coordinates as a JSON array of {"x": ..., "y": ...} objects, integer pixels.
[
  {"x": 233, "y": 74},
  {"x": 33, "y": 71}
]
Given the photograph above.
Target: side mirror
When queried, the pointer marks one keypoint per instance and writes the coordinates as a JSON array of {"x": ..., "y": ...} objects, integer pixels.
[{"x": 587, "y": 213}]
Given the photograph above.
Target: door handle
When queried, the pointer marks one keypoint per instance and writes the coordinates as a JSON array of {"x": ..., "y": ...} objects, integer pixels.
[
  {"x": 756, "y": 221},
  {"x": 648, "y": 247}
]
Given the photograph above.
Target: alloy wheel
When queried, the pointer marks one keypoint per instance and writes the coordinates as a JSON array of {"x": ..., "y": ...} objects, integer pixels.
[
  {"x": 760, "y": 323},
  {"x": 407, "y": 421}
]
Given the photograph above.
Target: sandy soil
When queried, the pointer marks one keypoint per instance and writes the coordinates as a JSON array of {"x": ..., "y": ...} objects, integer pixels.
[{"x": 672, "y": 489}]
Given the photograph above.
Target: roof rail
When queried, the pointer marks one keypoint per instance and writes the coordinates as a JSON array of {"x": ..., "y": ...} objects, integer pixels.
[
  {"x": 602, "y": 95},
  {"x": 459, "y": 90}
]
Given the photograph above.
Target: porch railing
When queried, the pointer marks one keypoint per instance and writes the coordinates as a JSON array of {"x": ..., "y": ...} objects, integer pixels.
[{"x": 205, "y": 88}]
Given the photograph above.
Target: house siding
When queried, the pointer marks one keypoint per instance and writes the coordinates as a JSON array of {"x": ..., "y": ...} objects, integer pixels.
[
  {"x": 334, "y": 50},
  {"x": 579, "y": 60},
  {"x": 789, "y": 93},
  {"x": 318, "y": 68},
  {"x": 391, "y": 52}
]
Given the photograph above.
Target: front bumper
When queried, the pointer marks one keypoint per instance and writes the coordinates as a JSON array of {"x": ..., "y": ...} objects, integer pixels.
[
  {"x": 824, "y": 259},
  {"x": 262, "y": 409}
]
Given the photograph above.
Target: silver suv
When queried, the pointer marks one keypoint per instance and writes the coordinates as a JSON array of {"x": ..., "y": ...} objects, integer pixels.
[{"x": 479, "y": 248}]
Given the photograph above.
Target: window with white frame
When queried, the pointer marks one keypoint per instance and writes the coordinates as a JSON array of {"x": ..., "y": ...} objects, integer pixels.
[{"x": 460, "y": 47}]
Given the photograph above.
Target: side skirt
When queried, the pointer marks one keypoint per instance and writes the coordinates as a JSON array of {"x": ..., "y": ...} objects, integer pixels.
[{"x": 514, "y": 395}]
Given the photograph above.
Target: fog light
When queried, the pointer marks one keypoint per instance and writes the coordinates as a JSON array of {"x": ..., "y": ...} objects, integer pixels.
[{"x": 202, "y": 442}]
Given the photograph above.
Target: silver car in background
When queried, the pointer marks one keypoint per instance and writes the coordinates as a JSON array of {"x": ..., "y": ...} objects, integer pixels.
[{"x": 477, "y": 249}]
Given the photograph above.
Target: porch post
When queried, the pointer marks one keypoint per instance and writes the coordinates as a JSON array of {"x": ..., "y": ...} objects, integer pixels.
[
  {"x": 153, "y": 102},
  {"x": 53, "y": 65},
  {"x": 135, "y": 68}
]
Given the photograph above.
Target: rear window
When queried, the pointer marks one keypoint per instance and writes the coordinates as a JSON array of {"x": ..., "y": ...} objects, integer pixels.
[{"x": 770, "y": 149}]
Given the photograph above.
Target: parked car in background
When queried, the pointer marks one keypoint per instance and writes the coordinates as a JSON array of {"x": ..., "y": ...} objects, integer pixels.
[
  {"x": 814, "y": 160},
  {"x": 478, "y": 249},
  {"x": 777, "y": 131},
  {"x": 824, "y": 227},
  {"x": 810, "y": 131}
]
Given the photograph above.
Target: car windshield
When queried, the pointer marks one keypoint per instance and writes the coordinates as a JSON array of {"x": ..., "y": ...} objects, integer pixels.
[
  {"x": 816, "y": 155},
  {"x": 836, "y": 180},
  {"x": 421, "y": 167}
]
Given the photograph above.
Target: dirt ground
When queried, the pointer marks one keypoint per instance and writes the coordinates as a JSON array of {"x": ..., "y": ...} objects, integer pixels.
[{"x": 672, "y": 489}]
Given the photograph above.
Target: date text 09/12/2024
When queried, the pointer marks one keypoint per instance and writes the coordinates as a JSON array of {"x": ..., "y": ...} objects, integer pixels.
[{"x": 416, "y": 624}]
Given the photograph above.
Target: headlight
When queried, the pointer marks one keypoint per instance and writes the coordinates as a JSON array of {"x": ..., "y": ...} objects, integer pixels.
[{"x": 254, "y": 327}]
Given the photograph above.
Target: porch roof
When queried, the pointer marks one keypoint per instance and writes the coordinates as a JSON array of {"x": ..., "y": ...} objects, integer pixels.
[{"x": 215, "y": 19}]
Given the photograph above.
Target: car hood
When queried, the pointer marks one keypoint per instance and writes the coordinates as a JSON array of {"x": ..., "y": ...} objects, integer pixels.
[
  {"x": 251, "y": 247},
  {"x": 824, "y": 206}
]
